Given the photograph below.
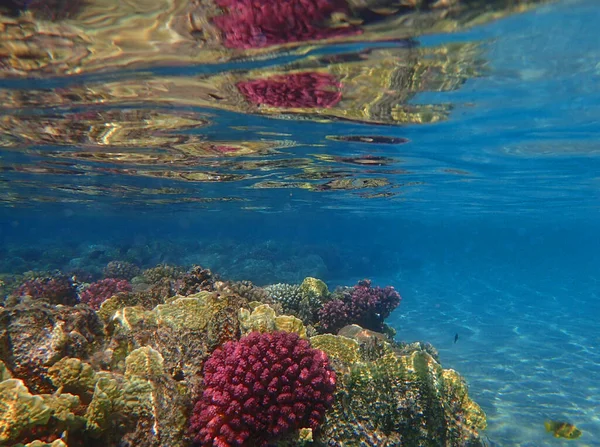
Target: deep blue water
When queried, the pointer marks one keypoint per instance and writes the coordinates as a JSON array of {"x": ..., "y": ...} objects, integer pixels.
[{"x": 490, "y": 230}]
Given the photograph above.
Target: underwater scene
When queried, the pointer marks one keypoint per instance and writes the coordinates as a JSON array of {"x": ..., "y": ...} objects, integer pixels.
[{"x": 328, "y": 223}]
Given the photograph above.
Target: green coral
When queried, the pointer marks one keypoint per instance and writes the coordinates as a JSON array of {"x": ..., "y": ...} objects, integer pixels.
[
  {"x": 314, "y": 288},
  {"x": 402, "y": 400}
]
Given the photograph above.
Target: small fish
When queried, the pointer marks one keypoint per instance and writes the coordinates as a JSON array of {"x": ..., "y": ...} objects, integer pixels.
[
  {"x": 456, "y": 337},
  {"x": 562, "y": 429}
]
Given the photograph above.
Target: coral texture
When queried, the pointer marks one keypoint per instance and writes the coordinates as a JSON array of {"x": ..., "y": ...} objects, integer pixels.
[
  {"x": 121, "y": 270},
  {"x": 296, "y": 90},
  {"x": 364, "y": 305},
  {"x": 262, "y": 387},
  {"x": 57, "y": 289},
  {"x": 259, "y": 24},
  {"x": 102, "y": 290}
]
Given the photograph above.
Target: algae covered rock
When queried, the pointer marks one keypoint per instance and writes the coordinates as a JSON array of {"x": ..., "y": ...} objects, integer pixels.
[{"x": 35, "y": 335}]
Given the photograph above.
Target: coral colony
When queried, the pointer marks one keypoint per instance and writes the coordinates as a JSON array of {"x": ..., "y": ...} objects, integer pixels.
[
  {"x": 262, "y": 387},
  {"x": 180, "y": 358}
]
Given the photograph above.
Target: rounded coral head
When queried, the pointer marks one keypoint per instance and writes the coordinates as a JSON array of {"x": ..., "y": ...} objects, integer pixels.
[{"x": 260, "y": 388}]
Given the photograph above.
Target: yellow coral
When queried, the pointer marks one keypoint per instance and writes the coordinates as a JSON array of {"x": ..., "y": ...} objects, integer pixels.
[
  {"x": 264, "y": 319},
  {"x": 4, "y": 372},
  {"x": 193, "y": 312},
  {"x": 144, "y": 362},
  {"x": 337, "y": 347},
  {"x": 19, "y": 409},
  {"x": 72, "y": 374},
  {"x": 314, "y": 287}
]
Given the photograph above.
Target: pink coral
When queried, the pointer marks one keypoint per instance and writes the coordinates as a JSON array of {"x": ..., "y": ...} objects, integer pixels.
[
  {"x": 57, "y": 289},
  {"x": 260, "y": 388},
  {"x": 262, "y": 23},
  {"x": 297, "y": 90},
  {"x": 96, "y": 293}
]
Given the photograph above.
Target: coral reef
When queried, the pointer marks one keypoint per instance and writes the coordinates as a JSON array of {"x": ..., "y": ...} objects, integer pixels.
[
  {"x": 196, "y": 280},
  {"x": 262, "y": 387},
  {"x": 288, "y": 295},
  {"x": 156, "y": 274},
  {"x": 35, "y": 335},
  {"x": 220, "y": 363},
  {"x": 304, "y": 300},
  {"x": 96, "y": 293}
]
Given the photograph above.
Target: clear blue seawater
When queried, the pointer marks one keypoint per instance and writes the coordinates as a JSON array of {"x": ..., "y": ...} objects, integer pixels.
[{"x": 491, "y": 230}]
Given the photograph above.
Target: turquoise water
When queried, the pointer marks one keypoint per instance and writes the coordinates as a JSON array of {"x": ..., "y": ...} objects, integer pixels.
[{"x": 487, "y": 225}]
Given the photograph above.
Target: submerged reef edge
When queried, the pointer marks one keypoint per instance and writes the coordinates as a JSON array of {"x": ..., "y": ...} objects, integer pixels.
[{"x": 174, "y": 357}]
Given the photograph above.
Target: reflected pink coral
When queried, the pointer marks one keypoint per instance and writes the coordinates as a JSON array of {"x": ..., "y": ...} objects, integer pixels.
[
  {"x": 262, "y": 387},
  {"x": 297, "y": 90},
  {"x": 96, "y": 293},
  {"x": 262, "y": 23}
]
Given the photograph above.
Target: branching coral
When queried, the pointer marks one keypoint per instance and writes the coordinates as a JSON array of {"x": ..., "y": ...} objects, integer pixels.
[
  {"x": 364, "y": 305},
  {"x": 262, "y": 387},
  {"x": 96, "y": 293}
]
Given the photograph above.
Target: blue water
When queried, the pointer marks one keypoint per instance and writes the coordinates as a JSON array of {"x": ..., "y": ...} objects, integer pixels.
[{"x": 490, "y": 231}]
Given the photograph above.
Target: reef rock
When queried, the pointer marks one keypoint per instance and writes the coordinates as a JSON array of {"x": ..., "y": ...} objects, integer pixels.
[{"x": 35, "y": 335}]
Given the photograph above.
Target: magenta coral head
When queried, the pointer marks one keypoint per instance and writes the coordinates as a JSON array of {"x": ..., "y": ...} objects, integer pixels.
[
  {"x": 296, "y": 90},
  {"x": 261, "y": 388}
]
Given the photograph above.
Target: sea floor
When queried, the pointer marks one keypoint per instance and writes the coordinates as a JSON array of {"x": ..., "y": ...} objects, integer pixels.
[{"x": 528, "y": 344}]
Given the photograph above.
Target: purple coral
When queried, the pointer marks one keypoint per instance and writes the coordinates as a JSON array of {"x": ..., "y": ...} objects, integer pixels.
[
  {"x": 363, "y": 305},
  {"x": 260, "y": 388},
  {"x": 57, "y": 289},
  {"x": 96, "y": 293},
  {"x": 334, "y": 315}
]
